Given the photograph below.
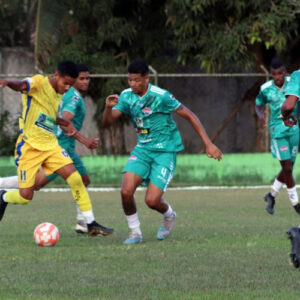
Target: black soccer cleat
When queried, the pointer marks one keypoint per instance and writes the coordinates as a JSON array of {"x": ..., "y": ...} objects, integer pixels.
[
  {"x": 297, "y": 208},
  {"x": 3, "y": 204},
  {"x": 294, "y": 235},
  {"x": 270, "y": 203},
  {"x": 95, "y": 229}
]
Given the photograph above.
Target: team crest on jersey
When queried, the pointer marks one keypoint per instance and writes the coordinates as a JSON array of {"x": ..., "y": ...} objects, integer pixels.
[
  {"x": 147, "y": 111},
  {"x": 132, "y": 158},
  {"x": 64, "y": 153},
  {"x": 284, "y": 148}
]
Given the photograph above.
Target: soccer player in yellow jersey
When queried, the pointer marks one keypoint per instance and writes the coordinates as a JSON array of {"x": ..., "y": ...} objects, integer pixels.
[{"x": 39, "y": 147}]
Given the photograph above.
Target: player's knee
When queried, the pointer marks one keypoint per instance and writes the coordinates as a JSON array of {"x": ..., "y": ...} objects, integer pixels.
[
  {"x": 151, "y": 202},
  {"x": 127, "y": 193}
]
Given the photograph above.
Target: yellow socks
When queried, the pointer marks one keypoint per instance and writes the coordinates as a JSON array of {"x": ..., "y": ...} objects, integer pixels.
[
  {"x": 14, "y": 197},
  {"x": 79, "y": 191}
]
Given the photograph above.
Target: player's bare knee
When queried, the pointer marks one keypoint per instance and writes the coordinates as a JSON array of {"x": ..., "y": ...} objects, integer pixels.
[
  {"x": 126, "y": 193},
  {"x": 152, "y": 202}
]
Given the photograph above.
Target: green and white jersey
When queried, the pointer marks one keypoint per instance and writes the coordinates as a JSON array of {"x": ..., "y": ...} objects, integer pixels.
[
  {"x": 293, "y": 88},
  {"x": 73, "y": 102},
  {"x": 151, "y": 116},
  {"x": 274, "y": 96}
]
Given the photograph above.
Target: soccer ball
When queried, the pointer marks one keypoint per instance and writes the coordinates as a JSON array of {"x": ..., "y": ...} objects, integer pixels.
[{"x": 46, "y": 235}]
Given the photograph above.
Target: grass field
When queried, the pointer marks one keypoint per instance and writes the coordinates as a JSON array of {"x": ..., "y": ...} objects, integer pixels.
[{"x": 224, "y": 246}]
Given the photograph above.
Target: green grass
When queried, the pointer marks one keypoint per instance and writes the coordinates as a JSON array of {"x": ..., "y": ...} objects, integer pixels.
[{"x": 224, "y": 246}]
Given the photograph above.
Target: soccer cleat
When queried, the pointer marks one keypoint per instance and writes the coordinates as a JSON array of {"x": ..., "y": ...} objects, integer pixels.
[
  {"x": 95, "y": 229},
  {"x": 294, "y": 235},
  {"x": 270, "y": 203},
  {"x": 297, "y": 208},
  {"x": 166, "y": 227},
  {"x": 81, "y": 227},
  {"x": 3, "y": 204},
  {"x": 134, "y": 238}
]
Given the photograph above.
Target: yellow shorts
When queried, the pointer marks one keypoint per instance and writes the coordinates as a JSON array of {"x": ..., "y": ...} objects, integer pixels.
[{"x": 29, "y": 160}]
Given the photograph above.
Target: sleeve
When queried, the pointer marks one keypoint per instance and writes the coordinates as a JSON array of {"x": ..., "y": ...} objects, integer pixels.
[
  {"x": 169, "y": 103},
  {"x": 293, "y": 87},
  {"x": 33, "y": 84},
  {"x": 260, "y": 99},
  {"x": 123, "y": 105},
  {"x": 70, "y": 103}
]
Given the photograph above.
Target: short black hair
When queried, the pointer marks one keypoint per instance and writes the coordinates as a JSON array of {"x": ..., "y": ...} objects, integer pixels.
[
  {"x": 82, "y": 67},
  {"x": 67, "y": 68},
  {"x": 276, "y": 63},
  {"x": 138, "y": 67}
]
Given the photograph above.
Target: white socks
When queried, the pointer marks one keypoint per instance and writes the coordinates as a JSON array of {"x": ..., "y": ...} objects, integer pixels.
[
  {"x": 80, "y": 216},
  {"x": 168, "y": 213},
  {"x": 292, "y": 192},
  {"x": 88, "y": 216},
  {"x": 276, "y": 187},
  {"x": 134, "y": 223},
  {"x": 10, "y": 182}
]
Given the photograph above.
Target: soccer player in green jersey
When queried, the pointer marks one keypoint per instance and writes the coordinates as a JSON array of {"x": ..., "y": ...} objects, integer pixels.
[
  {"x": 284, "y": 139},
  {"x": 71, "y": 108},
  {"x": 153, "y": 160}
]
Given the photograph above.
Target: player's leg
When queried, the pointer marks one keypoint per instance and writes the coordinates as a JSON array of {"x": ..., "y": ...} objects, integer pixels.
[
  {"x": 10, "y": 182},
  {"x": 82, "y": 198},
  {"x": 287, "y": 168},
  {"x": 28, "y": 162},
  {"x": 80, "y": 226},
  {"x": 275, "y": 189},
  {"x": 130, "y": 182},
  {"x": 162, "y": 171}
]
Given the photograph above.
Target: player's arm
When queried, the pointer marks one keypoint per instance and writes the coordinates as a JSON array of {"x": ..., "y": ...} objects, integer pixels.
[
  {"x": 287, "y": 108},
  {"x": 90, "y": 143},
  {"x": 211, "y": 149},
  {"x": 109, "y": 114},
  {"x": 16, "y": 85},
  {"x": 260, "y": 112}
]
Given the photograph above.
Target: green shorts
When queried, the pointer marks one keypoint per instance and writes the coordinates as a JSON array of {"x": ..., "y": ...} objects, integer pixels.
[
  {"x": 285, "y": 148},
  {"x": 153, "y": 166},
  {"x": 79, "y": 165}
]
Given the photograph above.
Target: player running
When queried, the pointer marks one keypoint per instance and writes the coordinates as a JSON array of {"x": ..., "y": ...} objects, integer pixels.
[
  {"x": 39, "y": 146},
  {"x": 284, "y": 139},
  {"x": 153, "y": 160},
  {"x": 71, "y": 108}
]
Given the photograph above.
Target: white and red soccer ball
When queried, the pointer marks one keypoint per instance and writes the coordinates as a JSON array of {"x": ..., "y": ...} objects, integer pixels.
[{"x": 46, "y": 235}]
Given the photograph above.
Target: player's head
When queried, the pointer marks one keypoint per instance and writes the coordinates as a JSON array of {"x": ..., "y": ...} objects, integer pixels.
[
  {"x": 82, "y": 82},
  {"x": 138, "y": 77},
  {"x": 65, "y": 76},
  {"x": 278, "y": 71}
]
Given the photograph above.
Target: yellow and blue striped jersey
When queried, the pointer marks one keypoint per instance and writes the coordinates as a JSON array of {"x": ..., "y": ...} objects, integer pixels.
[{"x": 40, "y": 106}]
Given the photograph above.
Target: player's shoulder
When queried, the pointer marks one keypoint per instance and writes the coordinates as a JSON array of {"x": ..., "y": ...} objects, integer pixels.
[
  {"x": 266, "y": 85},
  {"x": 157, "y": 90},
  {"x": 36, "y": 78}
]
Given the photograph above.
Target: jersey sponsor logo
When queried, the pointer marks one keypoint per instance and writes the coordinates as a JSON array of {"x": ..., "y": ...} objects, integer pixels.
[
  {"x": 132, "y": 158},
  {"x": 147, "y": 111},
  {"x": 284, "y": 148},
  {"x": 45, "y": 122},
  {"x": 142, "y": 130}
]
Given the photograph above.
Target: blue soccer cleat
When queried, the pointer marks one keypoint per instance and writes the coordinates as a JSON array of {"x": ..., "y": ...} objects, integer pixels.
[{"x": 166, "y": 228}]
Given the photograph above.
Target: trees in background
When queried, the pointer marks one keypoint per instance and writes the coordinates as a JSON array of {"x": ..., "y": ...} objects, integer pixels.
[{"x": 227, "y": 35}]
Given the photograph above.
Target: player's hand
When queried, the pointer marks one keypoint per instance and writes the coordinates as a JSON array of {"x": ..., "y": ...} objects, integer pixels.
[
  {"x": 92, "y": 143},
  {"x": 290, "y": 121},
  {"x": 3, "y": 83},
  {"x": 112, "y": 100},
  {"x": 66, "y": 126},
  {"x": 212, "y": 151}
]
